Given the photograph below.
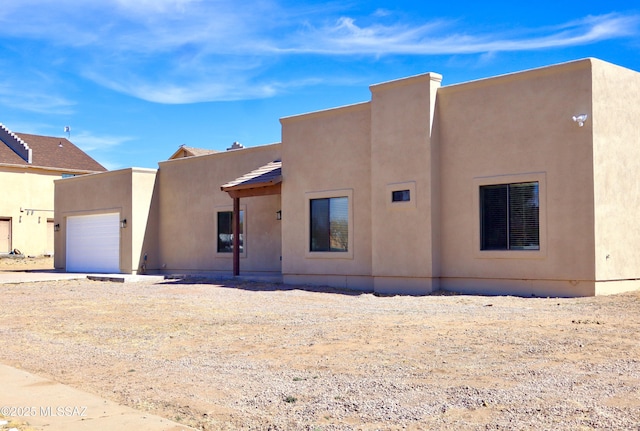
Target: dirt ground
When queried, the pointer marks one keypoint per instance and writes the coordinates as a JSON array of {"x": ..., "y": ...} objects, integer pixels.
[
  {"x": 24, "y": 263},
  {"x": 265, "y": 356}
]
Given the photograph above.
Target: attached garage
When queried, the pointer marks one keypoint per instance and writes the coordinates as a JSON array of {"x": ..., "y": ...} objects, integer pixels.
[{"x": 93, "y": 243}]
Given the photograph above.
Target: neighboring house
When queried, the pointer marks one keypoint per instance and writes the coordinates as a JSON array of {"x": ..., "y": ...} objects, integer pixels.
[
  {"x": 522, "y": 184},
  {"x": 28, "y": 166},
  {"x": 185, "y": 151}
]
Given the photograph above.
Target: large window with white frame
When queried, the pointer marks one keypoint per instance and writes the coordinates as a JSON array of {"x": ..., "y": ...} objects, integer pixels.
[{"x": 510, "y": 216}]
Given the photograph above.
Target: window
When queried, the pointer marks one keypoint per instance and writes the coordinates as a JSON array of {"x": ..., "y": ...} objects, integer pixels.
[
  {"x": 400, "y": 196},
  {"x": 329, "y": 224},
  {"x": 225, "y": 231},
  {"x": 509, "y": 216}
]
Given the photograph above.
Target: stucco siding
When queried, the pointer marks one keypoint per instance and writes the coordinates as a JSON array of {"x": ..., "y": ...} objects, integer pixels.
[
  {"x": 327, "y": 152},
  {"x": 411, "y": 163},
  {"x": 107, "y": 192},
  {"x": 509, "y": 129},
  {"x": 142, "y": 193},
  {"x": 402, "y": 159},
  {"x": 616, "y": 110},
  {"x": 189, "y": 197},
  {"x": 27, "y": 190}
]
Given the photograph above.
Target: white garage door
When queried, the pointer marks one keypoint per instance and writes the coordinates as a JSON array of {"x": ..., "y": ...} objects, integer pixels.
[{"x": 93, "y": 243}]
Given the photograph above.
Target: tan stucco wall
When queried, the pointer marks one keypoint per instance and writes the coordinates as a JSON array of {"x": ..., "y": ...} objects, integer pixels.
[
  {"x": 126, "y": 191},
  {"x": 32, "y": 189},
  {"x": 517, "y": 128},
  {"x": 442, "y": 143},
  {"x": 616, "y": 110},
  {"x": 327, "y": 152},
  {"x": 404, "y": 250},
  {"x": 189, "y": 196},
  {"x": 142, "y": 192},
  {"x": 505, "y": 129}
]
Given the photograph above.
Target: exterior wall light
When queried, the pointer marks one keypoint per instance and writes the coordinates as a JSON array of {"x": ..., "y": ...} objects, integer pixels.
[
  {"x": 580, "y": 119},
  {"x": 56, "y": 227},
  {"x": 278, "y": 215},
  {"x": 123, "y": 223}
]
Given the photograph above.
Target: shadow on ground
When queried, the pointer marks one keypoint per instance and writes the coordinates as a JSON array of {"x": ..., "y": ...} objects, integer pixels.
[{"x": 262, "y": 286}]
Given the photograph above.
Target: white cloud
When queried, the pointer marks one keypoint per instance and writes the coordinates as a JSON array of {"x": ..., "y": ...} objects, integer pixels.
[
  {"x": 345, "y": 37},
  {"x": 156, "y": 6},
  {"x": 33, "y": 97},
  {"x": 90, "y": 142},
  {"x": 184, "y": 51}
]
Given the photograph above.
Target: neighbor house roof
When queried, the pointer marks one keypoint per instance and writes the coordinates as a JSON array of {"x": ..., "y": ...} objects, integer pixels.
[
  {"x": 27, "y": 150},
  {"x": 185, "y": 151},
  {"x": 52, "y": 152}
]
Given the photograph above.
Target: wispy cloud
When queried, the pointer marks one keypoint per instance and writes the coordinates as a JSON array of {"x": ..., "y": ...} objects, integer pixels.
[
  {"x": 101, "y": 147},
  {"x": 184, "y": 51},
  {"x": 94, "y": 143},
  {"x": 441, "y": 37},
  {"x": 33, "y": 95}
]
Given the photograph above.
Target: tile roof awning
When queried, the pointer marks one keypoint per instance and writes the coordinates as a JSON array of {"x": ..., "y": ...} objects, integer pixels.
[{"x": 266, "y": 180}]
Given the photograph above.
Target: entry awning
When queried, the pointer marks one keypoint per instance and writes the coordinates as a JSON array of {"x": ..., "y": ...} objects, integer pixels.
[{"x": 266, "y": 180}]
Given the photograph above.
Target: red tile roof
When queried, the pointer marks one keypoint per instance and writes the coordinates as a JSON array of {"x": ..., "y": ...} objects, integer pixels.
[
  {"x": 267, "y": 175},
  {"x": 51, "y": 152}
]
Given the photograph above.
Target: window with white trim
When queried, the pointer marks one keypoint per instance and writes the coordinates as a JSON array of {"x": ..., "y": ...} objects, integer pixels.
[
  {"x": 329, "y": 224},
  {"x": 510, "y": 216}
]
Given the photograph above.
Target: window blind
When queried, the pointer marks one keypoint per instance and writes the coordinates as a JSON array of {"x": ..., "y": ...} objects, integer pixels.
[{"x": 509, "y": 217}]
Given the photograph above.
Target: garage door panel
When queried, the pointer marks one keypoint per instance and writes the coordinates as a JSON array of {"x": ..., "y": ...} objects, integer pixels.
[{"x": 93, "y": 243}]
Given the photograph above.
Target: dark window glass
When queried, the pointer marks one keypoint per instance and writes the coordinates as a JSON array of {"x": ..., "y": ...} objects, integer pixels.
[
  {"x": 329, "y": 224},
  {"x": 400, "y": 196},
  {"x": 509, "y": 217},
  {"x": 225, "y": 231}
]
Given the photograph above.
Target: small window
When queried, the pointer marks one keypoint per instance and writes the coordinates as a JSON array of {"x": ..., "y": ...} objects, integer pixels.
[
  {"x": 225, "y": 231},
  {"x": 509, "y": 217},
  {"x": 329, "y": 222},
  {"x": 401, "y": 196}
]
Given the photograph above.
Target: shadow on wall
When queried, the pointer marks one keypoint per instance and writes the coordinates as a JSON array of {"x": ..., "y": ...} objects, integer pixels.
[{"x": 149, "y": 258}]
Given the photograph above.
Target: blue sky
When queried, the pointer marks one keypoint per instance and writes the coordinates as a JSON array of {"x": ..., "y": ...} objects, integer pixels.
[{"x": 135, "y": 79}]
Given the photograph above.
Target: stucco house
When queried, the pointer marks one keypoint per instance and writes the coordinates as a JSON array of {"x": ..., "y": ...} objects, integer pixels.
[
  {"x": 186, "y": 151},
  {"x": 28, "y": 166},
  {"x": 522, "y": 184}
]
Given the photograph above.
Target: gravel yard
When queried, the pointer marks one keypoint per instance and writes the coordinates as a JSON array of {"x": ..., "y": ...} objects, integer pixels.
[{"x": 257, "y": 356}]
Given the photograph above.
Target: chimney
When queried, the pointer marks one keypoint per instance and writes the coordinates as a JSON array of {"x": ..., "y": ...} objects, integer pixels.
[{"x": 236, "y": 146}]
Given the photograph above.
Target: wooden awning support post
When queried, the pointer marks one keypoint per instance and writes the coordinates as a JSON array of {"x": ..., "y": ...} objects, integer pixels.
[
  {"x": 263, "y": 181},
  {"x": 236, "y": 236}
]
